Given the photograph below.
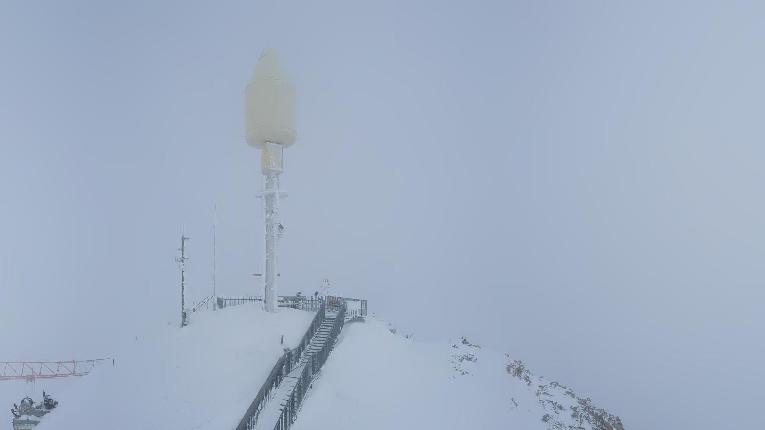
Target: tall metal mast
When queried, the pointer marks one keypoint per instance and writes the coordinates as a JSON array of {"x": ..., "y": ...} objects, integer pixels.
[
  {"x": 270, "y": 127},
  {"x": 271, "y": 164}
]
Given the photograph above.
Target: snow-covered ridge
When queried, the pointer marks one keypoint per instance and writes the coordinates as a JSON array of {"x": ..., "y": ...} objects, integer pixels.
[
  {"x": 563, "y": 408},
  {"x": 205, "y": 375},
  {"x": 560, "y": 407},
  {"x": 380, "y": 380}
]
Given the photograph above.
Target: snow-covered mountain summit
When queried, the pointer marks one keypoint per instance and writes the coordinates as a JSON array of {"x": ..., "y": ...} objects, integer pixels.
[
  {"x": 379, "y": 380},
  {"x": 204, "y": 376}
]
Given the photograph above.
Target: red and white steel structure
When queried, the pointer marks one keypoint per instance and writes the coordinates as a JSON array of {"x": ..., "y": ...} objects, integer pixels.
[{"x": 31, "y": 370}]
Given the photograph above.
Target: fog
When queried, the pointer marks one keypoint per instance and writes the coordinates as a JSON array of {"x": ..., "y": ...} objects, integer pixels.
[{"x": 576, "y": 183}]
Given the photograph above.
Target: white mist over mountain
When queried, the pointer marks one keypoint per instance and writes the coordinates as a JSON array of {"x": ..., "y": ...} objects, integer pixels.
[{"x": 576, "y": 184}]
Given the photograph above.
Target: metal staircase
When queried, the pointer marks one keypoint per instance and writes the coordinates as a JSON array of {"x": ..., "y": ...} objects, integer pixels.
[
  {"x": 319, "y": 339},
  {"x": 279, "y": 399}
]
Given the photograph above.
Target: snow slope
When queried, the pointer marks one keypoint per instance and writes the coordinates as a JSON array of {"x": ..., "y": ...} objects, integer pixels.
[
  {"x": 201, "y": 377},
  {"x": 205, "y": 376},
  {"x": 378, "y": 380}
]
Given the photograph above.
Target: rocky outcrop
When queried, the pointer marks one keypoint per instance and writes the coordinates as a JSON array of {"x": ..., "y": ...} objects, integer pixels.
[{"x": 562, "y": 408}]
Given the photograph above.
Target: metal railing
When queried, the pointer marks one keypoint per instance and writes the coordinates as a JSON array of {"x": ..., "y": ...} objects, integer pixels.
[
  {"x": 294, "y": 354},
  {"x": 272, "y": 382},
  {"x": 282, "y": 367},
  {"x": 304, "y": 303},
  {"x": 291, "y": 358},
  {"x": 315, "y": 361},
  {"x": 358, "y": 310},
  {"x": 224, "y": 302},
  {"x": 204, "y": 304}
]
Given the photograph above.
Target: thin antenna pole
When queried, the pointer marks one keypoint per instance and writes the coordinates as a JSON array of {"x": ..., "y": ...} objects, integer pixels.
[
  {"x": 215, "y": 222},
  {"x": 182, "y": 262}
]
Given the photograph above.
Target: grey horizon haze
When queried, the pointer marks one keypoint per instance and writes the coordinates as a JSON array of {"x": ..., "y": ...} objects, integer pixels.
[{"x": 577, "y": 184}]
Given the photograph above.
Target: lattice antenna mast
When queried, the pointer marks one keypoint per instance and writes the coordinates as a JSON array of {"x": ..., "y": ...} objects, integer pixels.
[
  {"x": 270, "y": 123},
  {"x": 182, "y": 259}
]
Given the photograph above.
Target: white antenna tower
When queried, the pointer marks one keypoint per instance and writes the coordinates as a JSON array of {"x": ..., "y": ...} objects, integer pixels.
[{"x": 270, "y": 124}]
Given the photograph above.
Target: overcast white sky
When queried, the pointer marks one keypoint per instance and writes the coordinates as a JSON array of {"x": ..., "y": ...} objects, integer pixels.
[{"x": 576, "y": 183}]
